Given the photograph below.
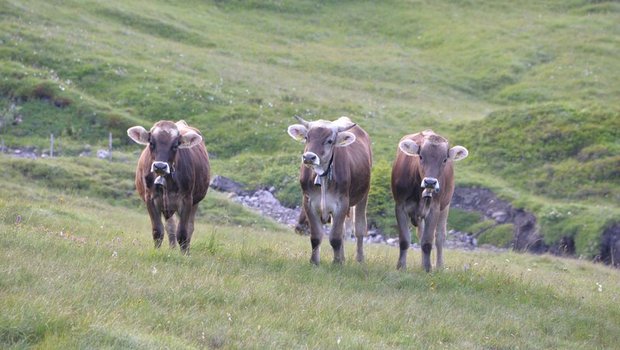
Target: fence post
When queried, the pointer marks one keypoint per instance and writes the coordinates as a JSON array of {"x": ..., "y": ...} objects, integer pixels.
[
  {"x": 51, "y": 145},
  {"x": 110, "y": 146}
]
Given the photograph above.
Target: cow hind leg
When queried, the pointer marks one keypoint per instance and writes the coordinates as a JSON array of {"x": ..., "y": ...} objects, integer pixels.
[{"x": 359, "y": 219}]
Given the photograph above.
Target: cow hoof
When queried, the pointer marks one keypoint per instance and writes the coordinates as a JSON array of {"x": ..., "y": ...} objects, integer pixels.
[
  {"x": 401, "y": 266},
  {"x": 158, "y": 243}
]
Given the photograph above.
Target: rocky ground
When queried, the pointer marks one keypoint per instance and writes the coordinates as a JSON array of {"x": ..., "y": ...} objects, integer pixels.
[{"x": 264, "y": 202}]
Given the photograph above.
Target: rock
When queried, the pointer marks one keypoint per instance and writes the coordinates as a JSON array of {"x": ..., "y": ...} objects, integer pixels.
[
  {"x": 224, "y": 184},
  {"x": 392, "y": 241},
  {"x": 103, "y": 154},
  {"x": 500, "y": 216},
  {"x": 484, "y": 201},
  {"x": 24, "y": 153}
]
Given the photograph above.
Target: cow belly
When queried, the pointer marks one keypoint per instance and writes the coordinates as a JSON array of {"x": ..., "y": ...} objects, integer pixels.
[{"x": 324, "y": 208}]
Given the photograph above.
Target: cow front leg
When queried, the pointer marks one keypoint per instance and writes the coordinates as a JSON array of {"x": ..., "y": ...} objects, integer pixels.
[
  {"x": 404, "y": 236},
  {"x": 426, "y": 233},
  {"x": 440, "y": 237},
  {"x": 316, "y": 232},
  {"x": 171, "y": 229},
  {"x": 359, "y": 219},
  {"x": 336, "y": 234},
  {"x": 156, "y": 224},
  {"x": 186, "y": 225}
]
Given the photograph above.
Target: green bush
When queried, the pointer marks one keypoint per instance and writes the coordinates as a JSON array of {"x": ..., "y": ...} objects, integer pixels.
[
  {"x": 498, "y": 235},
  {"x": 380, "y": 203},
  {"x": 462, "y": 220}
]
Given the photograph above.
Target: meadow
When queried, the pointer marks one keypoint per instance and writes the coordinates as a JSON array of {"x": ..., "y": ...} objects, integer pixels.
[
  {"x": 530, "y": 88},
  {"x": 80, "y": 272}
]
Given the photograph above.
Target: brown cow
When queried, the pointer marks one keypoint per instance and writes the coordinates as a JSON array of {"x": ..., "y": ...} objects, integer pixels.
[
  {"x": 335, "y": 175},
  {"x": 172, "y": 177},
  {"x": 422, "y": 186}
]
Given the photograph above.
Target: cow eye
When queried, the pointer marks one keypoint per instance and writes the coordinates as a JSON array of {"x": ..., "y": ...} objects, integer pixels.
[
  {"x": 445, "y": 160},
  {"x": 329, "y": 142},
  {"x": 152, "y": 145}
]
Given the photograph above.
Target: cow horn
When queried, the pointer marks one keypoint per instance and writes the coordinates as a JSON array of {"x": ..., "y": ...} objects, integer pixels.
[
  {"x": 345, "y": 128},
  {"x": 303, "y": 122}
]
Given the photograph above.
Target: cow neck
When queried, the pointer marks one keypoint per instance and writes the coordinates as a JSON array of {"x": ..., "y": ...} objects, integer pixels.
[
  {"x": 168, "y": 180},
  {"x": 324, "y": 178},
  {"x": 323, "y": 181}
]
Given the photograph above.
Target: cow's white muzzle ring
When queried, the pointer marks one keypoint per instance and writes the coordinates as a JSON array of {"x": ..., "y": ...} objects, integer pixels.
[{"x": 160, "y": 168}]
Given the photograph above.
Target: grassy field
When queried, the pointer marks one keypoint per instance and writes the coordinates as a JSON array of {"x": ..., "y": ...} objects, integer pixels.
[
  {"x": 80, "y": 272},
  {"x": 529, "y": 87}
]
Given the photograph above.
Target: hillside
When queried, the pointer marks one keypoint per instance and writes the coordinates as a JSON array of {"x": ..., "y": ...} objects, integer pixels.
[{"x": 530, "y": 88}]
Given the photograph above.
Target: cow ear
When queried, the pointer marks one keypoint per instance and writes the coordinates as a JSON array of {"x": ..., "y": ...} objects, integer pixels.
[
  {"x": 345, "y": 138},
  {"x": 139, "y": 135},
  {"x": 457, "y": 153},
  {"x": 409, "y": 147},
  {"x": 190, "y": 139},
  {"x": 298, "y": 132}
]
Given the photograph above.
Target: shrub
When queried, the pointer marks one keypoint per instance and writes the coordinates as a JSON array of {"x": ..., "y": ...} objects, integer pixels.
[{"x": 497, "y": 235}]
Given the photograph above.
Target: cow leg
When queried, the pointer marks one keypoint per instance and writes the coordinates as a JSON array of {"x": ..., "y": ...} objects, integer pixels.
[
  {"x": 171, "y": 228},
  {"x": 404, "y": 235},
  {"x": 186, "y": 225},
  {"x": 440, "y": 236},
  {"x": 156, "y": 224},
  {"x": 316, "y": 231},
  {"x": 337, "y": 232},
  {"x": 302, "y": 223},
  {"x": 426, "y": 231},
  {"x": 359, "y": 219}
]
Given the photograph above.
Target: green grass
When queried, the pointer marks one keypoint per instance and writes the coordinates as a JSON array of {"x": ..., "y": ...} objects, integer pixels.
[{"x": 82, "y": 273}]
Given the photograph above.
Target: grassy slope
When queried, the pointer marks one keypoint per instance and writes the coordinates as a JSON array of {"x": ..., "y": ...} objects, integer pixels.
[
  {"x": 239, "y": 70},
  {"x": 78, "y": 272}
]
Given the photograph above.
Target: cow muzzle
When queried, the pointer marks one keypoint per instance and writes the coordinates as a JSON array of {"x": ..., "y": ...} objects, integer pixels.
[
  {"x": 310, "y": 159},
  {"x": 430, "y": 186},
  {"x": 160, "y": 168}
]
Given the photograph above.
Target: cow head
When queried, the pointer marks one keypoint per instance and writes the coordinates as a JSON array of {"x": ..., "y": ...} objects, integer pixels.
[
  {"x": 321, "y": 138},
  {"x": 434, "y": 154},
  {"x": 163, "y": 141}
]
